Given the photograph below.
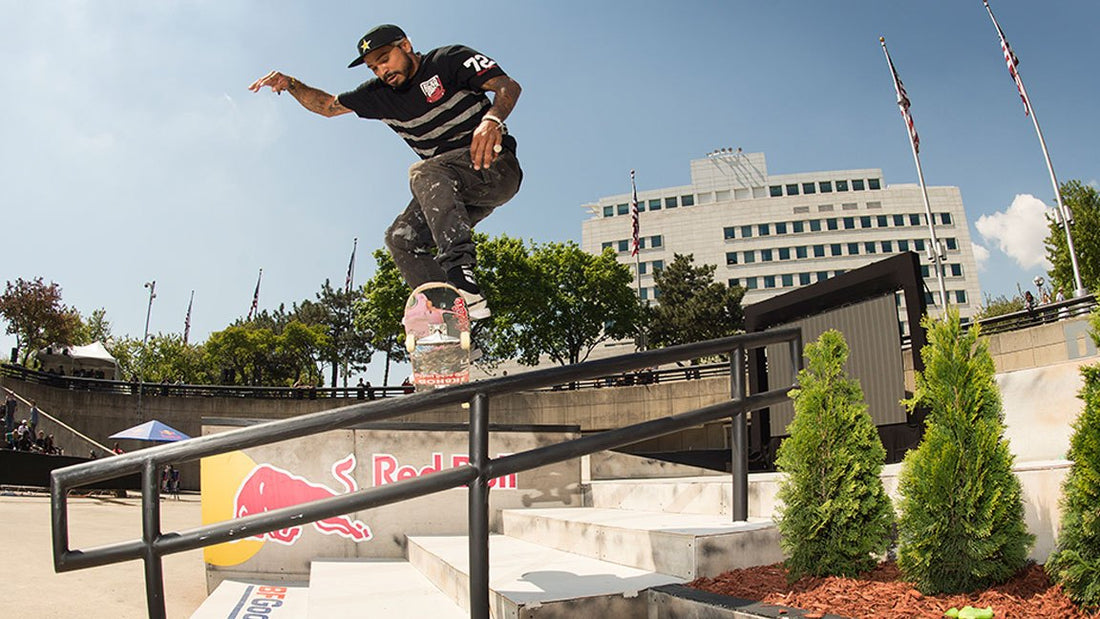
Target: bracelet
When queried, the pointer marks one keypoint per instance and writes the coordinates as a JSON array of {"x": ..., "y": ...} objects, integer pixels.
[{"x": 500, "y": 123}]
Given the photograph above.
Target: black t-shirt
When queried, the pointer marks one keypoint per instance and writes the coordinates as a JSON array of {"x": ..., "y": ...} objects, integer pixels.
[{"x": 437, "y": 109}]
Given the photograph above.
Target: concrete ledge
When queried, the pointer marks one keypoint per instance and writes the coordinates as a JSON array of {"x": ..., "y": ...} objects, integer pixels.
[{"x": 682, "y": 602}]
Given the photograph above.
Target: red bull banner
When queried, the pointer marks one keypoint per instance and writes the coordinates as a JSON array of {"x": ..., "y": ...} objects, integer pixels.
[{"x": 263, "y": 479}]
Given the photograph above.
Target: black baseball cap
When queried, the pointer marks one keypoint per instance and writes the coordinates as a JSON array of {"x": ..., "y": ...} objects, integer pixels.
[{"x": 377, "y": 37}]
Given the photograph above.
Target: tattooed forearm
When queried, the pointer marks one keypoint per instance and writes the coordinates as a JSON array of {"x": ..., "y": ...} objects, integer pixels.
[
  {"x": 505, "y": 94},
  {"x": 316, "y": 100}
]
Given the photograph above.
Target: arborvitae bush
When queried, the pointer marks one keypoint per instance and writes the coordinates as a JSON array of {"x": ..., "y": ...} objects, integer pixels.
[
  {"x": 961, "y": 517},
  {"x": 835, "y": 517},
  {"x": 1076, "y": 562}
]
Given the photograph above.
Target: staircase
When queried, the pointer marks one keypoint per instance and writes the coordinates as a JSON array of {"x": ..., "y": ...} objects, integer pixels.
[{"x": 601, "y": 560}]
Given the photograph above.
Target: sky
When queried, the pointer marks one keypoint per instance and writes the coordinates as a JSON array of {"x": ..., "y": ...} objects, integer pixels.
[{"x": 132, "y": 150}]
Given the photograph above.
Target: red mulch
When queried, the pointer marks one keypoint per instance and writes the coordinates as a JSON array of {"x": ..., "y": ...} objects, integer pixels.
[{"x": 882, "y": 594}]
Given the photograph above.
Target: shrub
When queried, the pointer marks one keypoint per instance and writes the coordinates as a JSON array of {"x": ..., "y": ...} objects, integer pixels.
[
  {"x": 1076, "y": 562},
  {"x": 835, "y": 517},
  {"x": 961, "y": 517}
]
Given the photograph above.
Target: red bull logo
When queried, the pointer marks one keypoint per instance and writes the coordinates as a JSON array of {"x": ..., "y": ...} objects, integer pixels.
[
  {"x": 388, "y": 469},
  {"x": 269, "y": 487}
]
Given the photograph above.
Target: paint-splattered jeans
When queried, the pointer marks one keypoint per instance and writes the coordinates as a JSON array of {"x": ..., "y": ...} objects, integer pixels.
[{"x": 449, "y": 198}]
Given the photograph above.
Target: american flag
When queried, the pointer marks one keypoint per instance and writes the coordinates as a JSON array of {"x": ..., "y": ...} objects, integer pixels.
[
  {"x": 634, "y": 215},
  {"x": 903, "y": 100},
  {"x": 255, "y": 296},
  {"x": 187, "y": 319},
  {"x": 1012, "y": 61},
  {"x": 351, "y": 266}
]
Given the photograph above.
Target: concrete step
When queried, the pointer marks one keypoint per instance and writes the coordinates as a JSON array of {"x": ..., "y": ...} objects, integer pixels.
[
  {"x": 683, "y": 545},
  {"x": 233, "y": 599},
  {"x": 529, "y": 580},
  {"x": 684, "y": 495},
  {"x": 371, "y": 588}
]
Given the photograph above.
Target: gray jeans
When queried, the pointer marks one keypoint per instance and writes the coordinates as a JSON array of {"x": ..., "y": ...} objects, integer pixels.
[{"x": 449, "y": 198}]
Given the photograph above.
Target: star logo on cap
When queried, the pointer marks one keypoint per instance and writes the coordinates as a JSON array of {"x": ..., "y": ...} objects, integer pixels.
[{"x": 365, "y": 45}]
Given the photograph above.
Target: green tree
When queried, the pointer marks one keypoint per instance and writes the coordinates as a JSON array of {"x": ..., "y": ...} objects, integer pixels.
[
  {"x": 1084, "y": 202},
  {"x": 1076, "y": 562},
  {"x": 94, "y": 328},
  {"x": 836, "y": 518},
  {"x": 961, "y": 525},
  {"x": 380, "y": 311},
  {"x": 348, "y": 345},
  {"x": 999, "y": 306},
  {"x": 554, "y": 299},
  {"x": 692, "y": 306},
  {"x": 36, "y": 316},
  {"x": 166, "y": 358}
]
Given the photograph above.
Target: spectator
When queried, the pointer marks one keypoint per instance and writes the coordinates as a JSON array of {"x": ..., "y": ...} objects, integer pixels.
[
  {"x": 9, "y": 412},
  {"x": 174, "y": 481},
  {"x": 116, "y": 449},
  {"x": 34, "y": 417}
]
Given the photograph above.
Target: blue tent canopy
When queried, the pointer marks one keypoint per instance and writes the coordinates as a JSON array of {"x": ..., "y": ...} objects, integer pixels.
[{"x": 152, "y": 431}]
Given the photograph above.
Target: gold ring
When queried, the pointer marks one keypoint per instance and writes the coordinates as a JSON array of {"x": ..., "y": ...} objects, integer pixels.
[{"x": 497, "y": 149}]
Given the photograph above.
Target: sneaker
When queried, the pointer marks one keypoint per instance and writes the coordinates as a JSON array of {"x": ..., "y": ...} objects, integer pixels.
[{"x": 462, "y": 277}]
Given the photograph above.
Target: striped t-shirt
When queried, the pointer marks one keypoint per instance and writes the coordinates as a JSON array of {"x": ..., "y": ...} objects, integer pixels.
[{"x": 437, "y": 109}]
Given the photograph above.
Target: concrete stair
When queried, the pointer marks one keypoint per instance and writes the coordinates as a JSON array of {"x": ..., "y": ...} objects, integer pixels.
[{"x": 603, "y": 560}]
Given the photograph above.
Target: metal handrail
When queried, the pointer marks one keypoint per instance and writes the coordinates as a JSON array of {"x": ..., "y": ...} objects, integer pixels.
[{"x": 154, "y": 543}]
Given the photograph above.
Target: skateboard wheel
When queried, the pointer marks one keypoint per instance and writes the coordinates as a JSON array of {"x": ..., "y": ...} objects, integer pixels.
[
  {"x": 464, "y": 340},
  {"x": 410, "y": 342}
]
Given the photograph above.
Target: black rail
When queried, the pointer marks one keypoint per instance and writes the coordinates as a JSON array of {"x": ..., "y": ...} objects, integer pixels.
[{"x": 154, "y": 544}]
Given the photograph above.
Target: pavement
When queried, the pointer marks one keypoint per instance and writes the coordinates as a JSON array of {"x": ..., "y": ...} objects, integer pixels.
[{"x": 31, "y": 588}]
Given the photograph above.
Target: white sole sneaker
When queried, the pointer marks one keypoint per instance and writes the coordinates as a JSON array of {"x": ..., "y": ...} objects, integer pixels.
[{"x": 476, "y": 305}]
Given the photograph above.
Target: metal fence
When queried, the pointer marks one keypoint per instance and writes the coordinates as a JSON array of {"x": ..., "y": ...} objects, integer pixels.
[{"x": 154, "y": 543}]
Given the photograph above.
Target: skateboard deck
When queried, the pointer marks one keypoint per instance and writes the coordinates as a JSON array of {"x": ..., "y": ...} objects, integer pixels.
[{"x": 437, "y": 336}]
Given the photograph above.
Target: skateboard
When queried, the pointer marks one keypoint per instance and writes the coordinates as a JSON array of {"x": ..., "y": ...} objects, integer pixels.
[{"x": 437, "y": 336}]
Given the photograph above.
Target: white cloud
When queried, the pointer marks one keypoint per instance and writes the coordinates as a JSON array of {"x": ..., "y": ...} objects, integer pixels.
[
  {"x": 981, "y": 255},
  {"x": 1019, "y": 231}
]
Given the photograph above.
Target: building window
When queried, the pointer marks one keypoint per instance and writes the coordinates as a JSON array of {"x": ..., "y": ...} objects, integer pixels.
[
  {"x": 826, "y": 186},
  {"x": 746, "y": 232},
  {"x": 792, "y": 189},
  {"x": 606, "y": 245},
  {"x": 729, "y": 232},
  {"x": 800, "y": 252},
  {"x": 853, "y": 249},
  {"x": 608, "y": 211},
  {"x": 624, "y": 245},
  {"x": 960, "y": 296},
  {"x": 670, "y": 202},
  {"x": 839, "y": 272},
  {"x": 750, "y": 283},
  {"x": 831, "y": 223},
  {"x": 765, "y": 255},
  {"x": 857, "y": 184},
  {"x": 801, "y": 209},
  {"x": 764, "y": 229},
  {"x": 819, "y": 251},
  {"x": 825, "y": 208},
  {"x": 808, "y": 188},
  {"x": 903, "y": 246},
  {"x": 815, "y": 225},
  {"x": 849, "y": 206},
  {"x": 849, "y": 223},
  {"x": 836, "y": 249},
  {"x": 918, "y": 244},
  {"x": 899, "y": 220},
  {"x": 641, "y": 206},
  {"x": 957, "y": 271},
  {"x": 952, "y": 244},
  {"x": 658, "y": 266},
  {"x": 731, "y": 257},
  {"x": 769, "y": 281},
  {"x": 784, "y": 253},
  {"x": 869, "y": 247},
  {"x": 641, "y": 243},
  {"x": 914, "y": 219},
  {"x": 842, "y": 185},
  {"x": 945, "y": 219},
  {"x": 873, "y": 183},
  {"x": 928, "y": 298},
  {"x": 655, "y": 205},
  {"x": 642, "y": 267},
  {"x": 623, "y": 209},
  {"x": 872, "y": 205},
  {"x": 780, "y": 227},
  {"x": 804, "y": 279},
  {"x": 924, "y": 270},
  {"x": 865, "y": 221},
  {"x": 732, "y": 283},
  {"x": 823, "y": 275},
  {"x": 788, "y": 280},
  {"x": 655, "y": 241},
  {"x": 687, "y": 200},
  {"x": 750, "y": 256},
  {"x": 776, "y": 191},
  {"x": 798, "y": 227},
  {"x": 887, "y": 247},
  {"x": 882, "y": 220}
]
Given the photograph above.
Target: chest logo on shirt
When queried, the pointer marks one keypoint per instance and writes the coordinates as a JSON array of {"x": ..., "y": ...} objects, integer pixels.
[{"x": 433, "y": 89}]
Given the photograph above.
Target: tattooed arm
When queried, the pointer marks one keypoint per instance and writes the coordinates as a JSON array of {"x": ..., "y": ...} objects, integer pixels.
[
  {"x": 313, "y": 99},
  {"x": 488, "y": 135}
]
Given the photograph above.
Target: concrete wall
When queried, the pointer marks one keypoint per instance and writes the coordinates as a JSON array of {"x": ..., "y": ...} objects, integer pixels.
[{"x": 306, "y": 467}]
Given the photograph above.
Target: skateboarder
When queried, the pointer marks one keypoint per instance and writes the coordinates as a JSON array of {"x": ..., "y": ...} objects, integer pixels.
[{"x": 436, "y": 101}]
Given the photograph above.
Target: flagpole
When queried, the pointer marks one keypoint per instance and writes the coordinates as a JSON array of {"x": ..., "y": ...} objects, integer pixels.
[
  {"x": 255, "y": 296},
  {"x": 935, "y": 250},
  {"x": 351, "y": 266},
  {"x": 1063, "y": 212},
  {"x": 187, "y": 320},
  {"x": 635, "y": 243}
]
